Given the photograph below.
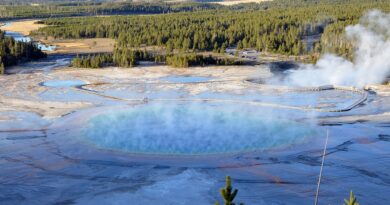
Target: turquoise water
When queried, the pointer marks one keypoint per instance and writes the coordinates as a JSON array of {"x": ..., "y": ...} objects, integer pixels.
[
  {"x": 63, "y": 83},
  {"x": 193, "y": 129}
]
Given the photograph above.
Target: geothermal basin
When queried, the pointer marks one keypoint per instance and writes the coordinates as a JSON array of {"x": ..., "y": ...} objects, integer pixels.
[
  {"x": 188, "y": 128},
  {"x": 155, "y": 135}
]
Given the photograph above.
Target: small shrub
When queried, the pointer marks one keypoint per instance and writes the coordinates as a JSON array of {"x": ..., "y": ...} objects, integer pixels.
[
  {"x": 228, "y": 194},
  {"x": 352, "y": 200}
]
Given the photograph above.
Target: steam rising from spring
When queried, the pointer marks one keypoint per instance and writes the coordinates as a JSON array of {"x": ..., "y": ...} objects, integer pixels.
[
  {"x": 371, "y": 63},
  {"x": 194, "y": 128}
]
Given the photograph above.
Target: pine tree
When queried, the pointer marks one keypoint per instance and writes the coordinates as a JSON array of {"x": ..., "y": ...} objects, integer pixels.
[
  {"x": 239, "y": 45},
  {"x": 352, "y": 200},
  {"x": 227, "y": 194},
  {"x": 2, "y": 67},
  {"x": 76, "y": 62}
]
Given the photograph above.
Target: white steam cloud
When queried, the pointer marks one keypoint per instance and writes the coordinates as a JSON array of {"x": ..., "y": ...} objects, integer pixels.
[
  {"x": 371, "y": 63},
  {"x": 195, "y": 128}
]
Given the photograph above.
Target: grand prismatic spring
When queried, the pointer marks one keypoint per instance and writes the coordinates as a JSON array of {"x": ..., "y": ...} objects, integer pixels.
[{"x": 154, "y": 134}]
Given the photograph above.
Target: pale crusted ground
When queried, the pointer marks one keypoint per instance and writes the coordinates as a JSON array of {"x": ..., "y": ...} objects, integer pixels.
[
  {"x": 20, "y": 91},
  {"x": 142, "y": 73},
  {"x": 24, "y": 27},
  {"x": 93, "y": 45},
  {"x": 44, "y": 108}
]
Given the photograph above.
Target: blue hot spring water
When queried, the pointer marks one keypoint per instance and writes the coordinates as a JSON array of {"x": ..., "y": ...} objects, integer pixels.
[
  {"x": 193, "y": 129},
  {"x": 63, "y": 83}
]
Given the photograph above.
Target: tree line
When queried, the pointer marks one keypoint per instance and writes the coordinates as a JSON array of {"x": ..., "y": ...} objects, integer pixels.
[
  {"x": 123, "y": 58},
  {"x": 93, "y": 61},
  {"x": 49, "y": 9},
  {"x": 192, "y": 59},
  {"x": 12, "y": 52},
  {"x": 11, "y": 9},
  {"x": 277, "y": 29},
  {"x": 130, "y": 58}
]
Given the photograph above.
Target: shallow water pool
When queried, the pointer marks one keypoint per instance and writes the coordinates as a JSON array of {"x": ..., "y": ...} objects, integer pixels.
[
  {"x": 193, "y": 129},
  {"x": 63, "y": 83}
]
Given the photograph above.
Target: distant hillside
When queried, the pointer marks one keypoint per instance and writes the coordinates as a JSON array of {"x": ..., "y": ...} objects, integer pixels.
[
  {"x": 232, "y": 2},
  {"x": 29, "y": 2}
]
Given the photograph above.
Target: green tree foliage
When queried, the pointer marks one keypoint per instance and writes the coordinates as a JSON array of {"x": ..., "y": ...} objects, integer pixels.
[
  {"x": 2, "y": 67},
  {"x": 92, "y": 61},
  {"x": 65, "y": 8},
  {"x": 278, "y": 27},
  {"x": 227, "y": 193},
  {"x": 352, "y": 200},
  {"x": 192, "y": 59},
  {"x": 60, "y": 8},
  {"x": 13, "y": 52},
  {"x": 130, "y": 58},
  {"x": 120, "y": 57},
  {"x": 201, "y": 31}
]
